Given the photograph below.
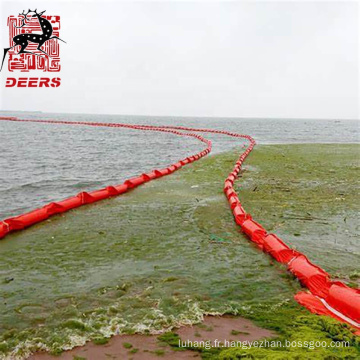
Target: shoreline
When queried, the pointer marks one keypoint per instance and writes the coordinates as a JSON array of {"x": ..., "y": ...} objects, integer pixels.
[{"x": 147, "y": 347}]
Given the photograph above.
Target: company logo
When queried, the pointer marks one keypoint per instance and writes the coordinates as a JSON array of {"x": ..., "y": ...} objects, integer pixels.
[{"x": 34, "y": 45}]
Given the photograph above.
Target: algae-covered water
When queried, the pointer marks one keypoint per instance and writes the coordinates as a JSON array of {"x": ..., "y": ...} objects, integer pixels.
[{"x": 169, "y": 251}]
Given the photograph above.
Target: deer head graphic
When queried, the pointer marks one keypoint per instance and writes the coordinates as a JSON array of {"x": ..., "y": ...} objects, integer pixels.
[{"x": 40, "y": 39}]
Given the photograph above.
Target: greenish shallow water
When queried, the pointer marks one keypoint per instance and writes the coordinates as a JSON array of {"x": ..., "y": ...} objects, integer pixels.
[{"x": 168, "y": 252}]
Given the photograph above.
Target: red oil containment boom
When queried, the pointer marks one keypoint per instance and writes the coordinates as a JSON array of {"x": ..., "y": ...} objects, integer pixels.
[{"x": 324, "y": 296}]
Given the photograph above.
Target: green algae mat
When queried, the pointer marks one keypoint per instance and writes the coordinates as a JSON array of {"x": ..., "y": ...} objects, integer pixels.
[{"x": 168, "y": 252}]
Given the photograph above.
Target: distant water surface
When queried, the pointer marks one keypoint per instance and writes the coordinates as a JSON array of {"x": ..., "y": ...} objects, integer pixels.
[{"x": 41, "y": 163}]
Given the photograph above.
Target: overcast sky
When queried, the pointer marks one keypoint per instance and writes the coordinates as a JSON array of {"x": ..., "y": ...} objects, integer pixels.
[{"x": 229, "y": 59}]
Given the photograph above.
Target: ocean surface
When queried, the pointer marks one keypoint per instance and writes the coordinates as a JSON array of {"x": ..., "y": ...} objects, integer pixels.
[{"x": 41, "y": 163}]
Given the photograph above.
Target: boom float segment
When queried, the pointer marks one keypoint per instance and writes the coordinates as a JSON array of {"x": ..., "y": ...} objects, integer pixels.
[{"x": 324, "y": 296}]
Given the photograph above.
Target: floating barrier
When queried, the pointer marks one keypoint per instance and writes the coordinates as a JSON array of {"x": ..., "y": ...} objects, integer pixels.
[
  {"x": 310, "y": 275},
  {"x": 276, "y": 248},
  {"x": 325, "y": 297},
  {"x": 254, "y": 231}
]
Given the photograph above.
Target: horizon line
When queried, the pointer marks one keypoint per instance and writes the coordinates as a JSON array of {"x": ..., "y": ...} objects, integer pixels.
[{"x": 185, "y": 116}]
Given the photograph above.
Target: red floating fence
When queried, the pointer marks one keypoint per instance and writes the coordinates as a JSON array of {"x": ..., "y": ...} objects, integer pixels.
[
  {"x": 345, "y": 300},
  {"x": 278, "y": 249},
  {"x": 325, "y": 297},
  {"x": 310, "y": 275}
]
